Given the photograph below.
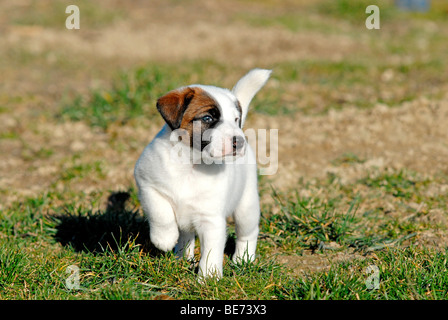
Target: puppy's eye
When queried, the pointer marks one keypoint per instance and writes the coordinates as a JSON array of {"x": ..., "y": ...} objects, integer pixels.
[{"x": 207, "y": 119}]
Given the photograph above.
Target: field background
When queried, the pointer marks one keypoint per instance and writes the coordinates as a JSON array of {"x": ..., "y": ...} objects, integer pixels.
[{"x": 363, "y": 146}]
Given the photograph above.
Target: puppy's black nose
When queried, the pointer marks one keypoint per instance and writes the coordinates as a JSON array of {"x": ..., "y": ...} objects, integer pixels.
[{"x": 238, "y": 142}]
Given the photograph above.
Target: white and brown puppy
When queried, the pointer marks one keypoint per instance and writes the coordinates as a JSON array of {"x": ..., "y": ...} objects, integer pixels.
[{"x": 217, "y": 177}]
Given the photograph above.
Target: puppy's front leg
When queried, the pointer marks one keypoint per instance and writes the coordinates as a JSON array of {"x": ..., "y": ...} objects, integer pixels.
[
  {"x": 162, "y": 221},
  {"x": 212, "y": 237},
  {"x": 247, "y": 217}
]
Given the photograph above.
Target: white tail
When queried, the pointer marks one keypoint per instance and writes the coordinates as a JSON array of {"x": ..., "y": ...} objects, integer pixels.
[{"x": 248, "y": 86}]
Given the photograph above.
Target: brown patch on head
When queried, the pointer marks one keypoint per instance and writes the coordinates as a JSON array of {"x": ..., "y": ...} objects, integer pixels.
[
  {"x": 202, "y": 105},
  {"x": 199, "y": 106},
  {"x": 173, "y": 105},
  {"x": 181, "y": 108}
]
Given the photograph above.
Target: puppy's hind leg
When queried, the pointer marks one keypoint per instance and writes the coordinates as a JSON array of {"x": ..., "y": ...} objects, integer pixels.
[{"x": 162, "y": 221}]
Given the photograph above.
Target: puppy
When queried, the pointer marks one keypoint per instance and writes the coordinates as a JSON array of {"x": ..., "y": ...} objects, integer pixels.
[{"x": 199, "y": 170}]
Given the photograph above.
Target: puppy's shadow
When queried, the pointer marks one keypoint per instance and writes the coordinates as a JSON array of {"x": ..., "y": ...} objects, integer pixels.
[{"x": 97, "y": 231}]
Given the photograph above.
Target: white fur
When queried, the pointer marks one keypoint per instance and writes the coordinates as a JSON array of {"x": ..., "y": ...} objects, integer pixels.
[
  {"x": 248, "y": 86},
  {"x": 181, "y": 199}
]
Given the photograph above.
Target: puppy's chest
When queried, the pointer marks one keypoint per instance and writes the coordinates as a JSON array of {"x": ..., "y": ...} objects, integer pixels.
[{"x": 197, "y": 192}]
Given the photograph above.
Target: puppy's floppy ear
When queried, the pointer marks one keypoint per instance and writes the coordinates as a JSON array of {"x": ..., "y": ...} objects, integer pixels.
[
  {"x": 172, "y": 106},
  {"x": 248, "y": 86}
]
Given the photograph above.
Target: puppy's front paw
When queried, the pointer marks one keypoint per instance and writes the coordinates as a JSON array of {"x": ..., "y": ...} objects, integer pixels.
[
  {"x": 211, "y": 272},
  {"x": 244, "y": 251},
  {"x": 164, "y": 238}
]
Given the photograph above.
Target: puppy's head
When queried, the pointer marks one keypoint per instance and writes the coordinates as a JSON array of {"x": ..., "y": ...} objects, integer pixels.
[{"x": 210, "y": 119}]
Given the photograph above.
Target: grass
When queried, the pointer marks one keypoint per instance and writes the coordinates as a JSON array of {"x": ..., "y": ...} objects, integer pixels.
[
  {"x": 115, "y": 260},
  {"x": 360, "y": 83},
  {"x": 127, "y": 274},
  {"x": 334, "y": 224},
  {"x": 355, "y": 11},
  {"x": 129, "y": 97},
  {"x": 403, "y": 274},
  {"x": 400, "y": 184},
  {"x": 347, "y": 159},
  {"x": 377, "y": 75},
  {"x": 307, "y": 223},
  {"x": 52, "y": 14},
  {"x": 79, "y": 170},
  {"x": 133, "y": 95},
  {"x": 392, "y": 219}
]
